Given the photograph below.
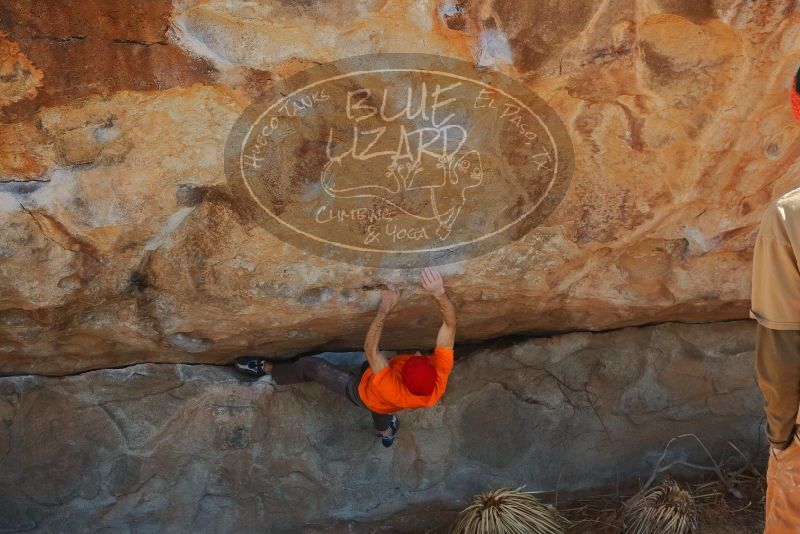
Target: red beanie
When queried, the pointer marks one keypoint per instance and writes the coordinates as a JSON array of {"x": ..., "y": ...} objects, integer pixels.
[
  {"x": 796, "y": 96},
  {"x": 419, "y": 376}
]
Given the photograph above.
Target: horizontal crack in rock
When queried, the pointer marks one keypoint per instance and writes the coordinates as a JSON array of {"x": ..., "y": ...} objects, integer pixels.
[{"x": 465, "y": 351}]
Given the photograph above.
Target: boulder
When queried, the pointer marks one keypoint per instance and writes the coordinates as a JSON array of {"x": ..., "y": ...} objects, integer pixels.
[
  {"x": 197, "y": 448},
  {"x": 121, "y": 241}
]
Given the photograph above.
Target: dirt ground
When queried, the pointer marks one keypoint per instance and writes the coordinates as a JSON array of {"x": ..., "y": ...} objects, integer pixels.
[{"x": 719, "y": 512}]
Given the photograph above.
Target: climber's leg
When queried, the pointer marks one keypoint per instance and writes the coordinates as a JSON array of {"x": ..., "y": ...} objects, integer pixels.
[
  {"x": 311, "y": 369},
  {"x": 387, "y": 426},
  {"x": 381, "y": 421}
]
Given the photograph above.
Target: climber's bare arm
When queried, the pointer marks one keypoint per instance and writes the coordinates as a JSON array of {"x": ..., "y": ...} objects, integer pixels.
[
  {"x": 378, "y": 361},
  {"x": 433, "y": 284}
]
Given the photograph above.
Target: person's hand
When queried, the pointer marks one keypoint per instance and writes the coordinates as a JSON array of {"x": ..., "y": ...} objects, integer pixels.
[
  {"x": 389, "y": 297},
  {"x": 432, "y": 281}
]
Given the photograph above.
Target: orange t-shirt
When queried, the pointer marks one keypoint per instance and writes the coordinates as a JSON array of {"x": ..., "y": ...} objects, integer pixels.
[{"x": 385, "y": 393}]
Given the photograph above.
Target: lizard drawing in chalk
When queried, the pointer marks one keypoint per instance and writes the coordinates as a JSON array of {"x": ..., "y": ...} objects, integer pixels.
[{"x": 409, "y": 187}]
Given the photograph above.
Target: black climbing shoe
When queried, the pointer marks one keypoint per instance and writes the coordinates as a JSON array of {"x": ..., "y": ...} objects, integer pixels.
[
  {"x": 394, "y": 426},
  {"x": 252, "y": 366}
]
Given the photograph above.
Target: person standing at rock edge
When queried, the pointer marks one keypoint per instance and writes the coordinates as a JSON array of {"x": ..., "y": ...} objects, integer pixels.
[
  {"x": 384, "y": 386},
  {"x": 776, "y": 307}
]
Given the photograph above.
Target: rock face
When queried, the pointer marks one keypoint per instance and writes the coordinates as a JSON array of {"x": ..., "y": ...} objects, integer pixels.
[
  {"x": 121, "y": 243},
  {"x": 178, "y": 448}
]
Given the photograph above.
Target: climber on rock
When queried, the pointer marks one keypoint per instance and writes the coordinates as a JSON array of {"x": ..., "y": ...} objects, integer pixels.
[{"x": 383, "y": 386}]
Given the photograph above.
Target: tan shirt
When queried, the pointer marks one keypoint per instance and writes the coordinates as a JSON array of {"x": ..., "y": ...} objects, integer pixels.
[{"x": 775, "y": 299}]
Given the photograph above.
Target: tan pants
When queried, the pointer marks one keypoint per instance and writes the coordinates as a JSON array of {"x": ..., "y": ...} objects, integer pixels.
[{"x": 778, "y": 369}]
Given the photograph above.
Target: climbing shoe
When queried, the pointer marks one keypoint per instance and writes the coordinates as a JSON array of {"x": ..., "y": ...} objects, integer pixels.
[
  {"x": 252, "y": 366},
  {"x": 394, "y": 426}
]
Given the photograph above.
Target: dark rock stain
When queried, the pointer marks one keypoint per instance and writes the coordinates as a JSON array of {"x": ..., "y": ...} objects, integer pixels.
[
  {"x": 694, "y": 10},
  {"x": 139, "y": 281},
  {"x": 124, "y": 42}
]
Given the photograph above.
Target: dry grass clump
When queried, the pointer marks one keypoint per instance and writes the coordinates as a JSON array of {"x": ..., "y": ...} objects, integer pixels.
[
  {"x": 664, "y": 509},
  {"x": 508, "y": 511}
]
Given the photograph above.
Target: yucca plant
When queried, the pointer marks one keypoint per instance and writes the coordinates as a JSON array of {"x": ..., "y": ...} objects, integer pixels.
[
  {"x": 507, "y": 511},
  {"x": 664, "y": 509}
]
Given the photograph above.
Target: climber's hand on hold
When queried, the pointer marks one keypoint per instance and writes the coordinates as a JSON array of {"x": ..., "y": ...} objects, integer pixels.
[
  {"x": 432, "y": 281},
  {"x": 389, "y": 297}
]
